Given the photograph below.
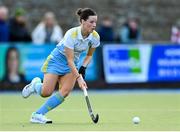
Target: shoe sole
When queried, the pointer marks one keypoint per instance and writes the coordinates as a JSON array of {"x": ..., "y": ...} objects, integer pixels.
[{"x": 38, "y": 122}]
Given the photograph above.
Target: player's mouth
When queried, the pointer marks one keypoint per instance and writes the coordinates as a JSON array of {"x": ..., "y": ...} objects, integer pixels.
[{"x": 92, "y": 29}]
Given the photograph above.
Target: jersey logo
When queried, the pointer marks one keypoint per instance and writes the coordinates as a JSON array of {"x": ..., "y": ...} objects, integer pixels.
[
  {"x": 95, "y": 34},
  {"x": 74, "y": 34}
]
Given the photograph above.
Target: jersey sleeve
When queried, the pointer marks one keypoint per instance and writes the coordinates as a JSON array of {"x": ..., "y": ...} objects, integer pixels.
[
  {"x": 68, "y": 40},
  {"x": 96, "y": 39}
]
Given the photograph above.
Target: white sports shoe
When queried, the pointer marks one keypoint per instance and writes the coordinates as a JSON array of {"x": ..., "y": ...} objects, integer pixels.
[
  {"x": 39, "y": 118},
  {"x": 29, "y": 89}
]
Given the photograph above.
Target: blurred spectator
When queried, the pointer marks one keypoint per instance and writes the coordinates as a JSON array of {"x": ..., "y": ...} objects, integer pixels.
[
  {"x": 18, "y": 27},
  {"x": 130, "y": 31},
  {"x": 175, "y": 33},
  {"x": 4, "y": 29},
  {"x": 12, "y": 65},
  {"x": 47, "y": 31},
  {"x": 106, "y": 30}
]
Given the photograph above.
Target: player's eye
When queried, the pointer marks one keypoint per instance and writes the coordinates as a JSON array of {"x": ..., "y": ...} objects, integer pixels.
[{"x": 92, "y": 22}]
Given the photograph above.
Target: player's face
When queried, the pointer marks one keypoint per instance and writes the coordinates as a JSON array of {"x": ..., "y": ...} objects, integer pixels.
[{"x": 90, "y": 24}]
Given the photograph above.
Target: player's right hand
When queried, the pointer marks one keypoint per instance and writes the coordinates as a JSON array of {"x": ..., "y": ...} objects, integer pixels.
[{"x": 82, "y": 84}]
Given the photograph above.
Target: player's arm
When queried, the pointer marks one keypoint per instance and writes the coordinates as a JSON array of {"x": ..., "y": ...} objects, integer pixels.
[
  {"x": 88, "y": 56},
  {"x": 82, "y": 69},
  {"x": 70, "y": 58}
]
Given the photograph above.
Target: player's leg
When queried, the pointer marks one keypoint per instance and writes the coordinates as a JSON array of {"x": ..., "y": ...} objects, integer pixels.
[
  {"x": 66, "y": 84},
  {"x": 48, "y": 86},
  {"x": 45, "y": 90}
]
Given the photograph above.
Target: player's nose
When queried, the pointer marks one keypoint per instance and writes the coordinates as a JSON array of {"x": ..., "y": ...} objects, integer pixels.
[{"x": 94, "y": 25}]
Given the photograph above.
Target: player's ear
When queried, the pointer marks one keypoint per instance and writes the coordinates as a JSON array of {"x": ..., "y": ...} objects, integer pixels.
[{"x": 83, "y": 21}]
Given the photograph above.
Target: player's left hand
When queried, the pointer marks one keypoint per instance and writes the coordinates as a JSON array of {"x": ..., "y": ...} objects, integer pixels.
[{"x": 82, "y": 71}]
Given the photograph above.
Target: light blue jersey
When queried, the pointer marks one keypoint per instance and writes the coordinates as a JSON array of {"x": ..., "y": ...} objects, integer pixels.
[
  {"x": 56, "y": 63},
  {"x": 73, "y": 39}
]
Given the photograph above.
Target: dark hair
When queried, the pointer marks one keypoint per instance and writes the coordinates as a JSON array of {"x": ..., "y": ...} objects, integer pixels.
[{"x": 85, "y": 13}]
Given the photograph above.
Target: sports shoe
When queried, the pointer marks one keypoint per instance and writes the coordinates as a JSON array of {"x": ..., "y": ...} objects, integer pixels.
[
  {"x": 39, "y": 118},
  {"x": 29, "y": 89}
]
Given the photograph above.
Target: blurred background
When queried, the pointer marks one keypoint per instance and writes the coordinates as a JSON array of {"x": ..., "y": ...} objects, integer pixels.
[{"x": 139, "y": 41}]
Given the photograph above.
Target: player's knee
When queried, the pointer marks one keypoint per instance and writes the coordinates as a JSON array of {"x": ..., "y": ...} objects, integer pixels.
[
  {"x": 65, "y": 93},
  {"x": 46, "y": 93}
]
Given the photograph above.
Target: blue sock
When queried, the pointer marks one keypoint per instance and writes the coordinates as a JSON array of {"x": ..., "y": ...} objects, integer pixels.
[
  {"x": 38, "y": 88},
  {"x": 51, "y": 103}
]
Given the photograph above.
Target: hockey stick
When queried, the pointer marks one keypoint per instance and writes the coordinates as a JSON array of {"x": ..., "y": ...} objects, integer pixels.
[{"x": 93, "y": 117}]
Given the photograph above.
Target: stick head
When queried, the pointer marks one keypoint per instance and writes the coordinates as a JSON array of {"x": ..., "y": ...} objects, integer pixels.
[{"x": 95, "y": 119}]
